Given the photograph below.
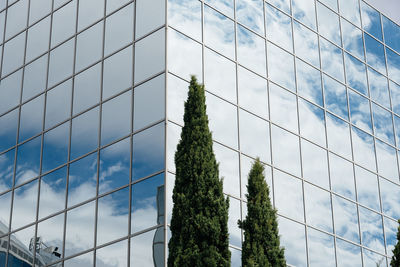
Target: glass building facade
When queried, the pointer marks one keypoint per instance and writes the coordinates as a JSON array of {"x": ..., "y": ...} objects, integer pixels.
[{"x": 91, "y": 106}]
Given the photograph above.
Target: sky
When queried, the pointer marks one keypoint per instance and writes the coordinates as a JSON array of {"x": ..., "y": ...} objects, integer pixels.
[{"x": 390, "y": 8}]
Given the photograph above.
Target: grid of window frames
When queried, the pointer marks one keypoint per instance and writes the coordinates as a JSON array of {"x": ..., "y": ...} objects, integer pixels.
[
  {"x": 82, "y": 139},
  {"x": 311, "y": 88}
]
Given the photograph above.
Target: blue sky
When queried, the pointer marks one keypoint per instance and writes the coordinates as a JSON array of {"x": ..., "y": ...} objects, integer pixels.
[{"x": 390, "y": 8}]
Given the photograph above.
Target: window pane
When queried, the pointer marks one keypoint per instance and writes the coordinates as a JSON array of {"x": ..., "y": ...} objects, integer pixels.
[
  {"x": 352, "y": 39},
  {"x": 309, "y": 82},
  {"x": 392, "y": 33},
  {"x": 7, "y": 173},
  {"x": 387, "y": 162},
  {"x": 55, "y": 147},
  {"x": 10, "y": 91},
  {"x": 148, "y": 151},
  {"x": 371, "y": 20},
  {"x": 5, "y": 209},
  {"x": 13, "y": 54},
  {"x": 304, "y": 11},
  {"x": 228, "y": 169},
  {"x": 150, "y": 55},
  {"x": 390, "y": 195},
  {"x": 89, "y": 46},
  {"x": 306, "y": 44},
  {"x": 250, "y": 14},
  {"x": 38, "y": 39},
  {"x": 350, "y": 10},
  {"x": 24, "y": 205},
  {"x": 58, "y": 104},
  {"x": 294, "y": 240},
  {"x": 225, "y": 6},
  {"x": 89, "y": 11},
  {"x": 332, "y": 60},
  {"x": 367, "y": 188},
  {"x": 347, "y": 254},
  {"x": 31, "y": 121},
  {"x": 345, "y": 218},
  {"x": 38, "y": 9},
  {"x": 312, "y": 122},
  {"x": 51, "y": 232},
  {"x": 363, "y": 148},
  {"x": 378, "y": 88},
  {"x": 235, "y": 234},
  {"x": 393, "y": 62},
  {"x": 35, "y": 77},
  {"x": 318, "y": 207},
  {"x": 335, "y": 97},
  {"x": 185, "y": 16},
  {"x": 371, "y": 229},
  {"x": 284, "y": 5},
  {"x": 328, "y": 24},
  {"x": 375, "y": 54},
  {"x": 383, "y": 124},
  {"x": 342, "y": 177},
  {"x": 360, "y": 113},
  {"x": 117, "y": 73},
  {"x": 87, "y": 88},
  {"x": 84, "y": 133},
  {"x": 52, "y": 192},
  {"x": 321, "y": 249},
  {"x": 338, "y": 136},
  {"x": 278, "y": 60},
  {"x": 8, "y": 132},
  {"x": 64, "y": 21},
  {"x": 16, "y": 17},
  {"x": 113, "y": 254},
  {"x": 28, "y": 158},
  {"x": 143, "y": 250},
  {"x": 61, "y": 62},
  {"x": 356, "y": 74},
  {"x": 116, "y": 118},
  {"x": 315, "y": 164},
  {"x": 149, "y": 102},
  {"x": 119, "y": 29},
  {"x": 279, "y": 28},
  {"x": 283, "y": 107},
  {"x": 150, "y": 14}
]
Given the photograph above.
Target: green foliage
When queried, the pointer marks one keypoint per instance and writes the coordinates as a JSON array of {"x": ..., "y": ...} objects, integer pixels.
[
  {"x": 396, "y": 251},
  {"x": 199, "y": 224},
  {"x": 261, "y": 246}
]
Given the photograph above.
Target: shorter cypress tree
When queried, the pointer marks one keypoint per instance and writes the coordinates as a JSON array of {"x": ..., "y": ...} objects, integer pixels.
[
  {"x": 396, "y": 251},
  {"x": 261, "y": 245}
]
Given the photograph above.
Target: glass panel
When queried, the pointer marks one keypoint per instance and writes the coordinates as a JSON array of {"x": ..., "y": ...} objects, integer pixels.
[
  {"x": 338, "y": 136},
  {"x": 347, "y": 254},
  {"x": 24, "y": 205},
  {"x": 145, "y": 251},
  {"x": 55, "y": 147},
  {"x": 312, "y": 122},
  {"x": 112, "y": 217},
  {"x": 61, "y": 63},
  {"x": 367, "y": 188},
  {"x": 8, "y": 129},
  {"x": 393, "y": 62},
  {"x": 52, "y": 192},
  {"x": 16, "y": 17},
  {"x": 79, "y": 236},
  {"x": 397, "y": 129},
  {"x": 114, "y": 4},
  {"x": 371, "y": 229},
  {"x": 378, "y": 88},
  {"x": 350, "y": 10},
  {"x": 13, "y": 54},
  {"x": 38, "y": 39},
  {"x": 10, "y": 91},
  {"x": 114, "y": 166},
  {"x": 278, "y": 60},
  {"x": 392, "y": 33},
  {"x": 283, "y": 107},
  {"x": 391, "y": 227},
  {"x": 89, "y": 11},
  {"x": 2, "y": 21},
  {"x": 28, "y": 157},
  {"x": 173, "y": 135},
  {"x": 148, "y": 152},
  {"x": 281, "y": 4},
  {"x": 7, "y": 170},
  {"x": 185, "y": 16},
  {"x": 149, "y": 102},
  {"x": 19, "y": 243},
  {"x": 149, "y": 15},
  {"x": 356, "y": 75},
  {"x": 331, "y": 3},
  {"x": 387, "y": 162},
  {"x": 147, "y": 203},
  {"x": 395, "y": 93},
  {"x": 84, "y": 136},
  {"x": 5, "y": 210},
  {"x": 87, "y": 88},
  {"x": 315, "y": 164},
  {"x": 342, "y": 177},
  {"x": 215, "y": 67},
  {"x": 318, "y": 207},
  {"x": 371, "y": 20},
  {"x": 306, "y": 44},
  {"x": 236, "y": 257},
  {"x": 117, "y": 73},
  {"x": 332, "y": 60},
  {"x": 390, "y": 194},
  {"x": 113, "y": 255},
  {"x": 222, "y": 120},
  {"x": 64, "y": 21},
  {"x": 352, "y": 38},
  {"x": 177, "y": 94},
  {"x": 116, "y": 118},
  {"x": 38, "y": 9},
  {"x": 372, "y": 259},
  {"x": 321, "y": 251},
  {"x": 304, "y": 11},
  {"x": 360, "y": 113},
  {"x": 251, "y": 50},
  {"x": 245, "y": 166},
  {"x": 235, "y": 234},
  {"x": 279, "y": 28},
  {"x": 35, "y": 77},
  {"x": 292, "y": 237},
  {"x": 286, "y": 151},
  {"x": 225, "y": 6},
  {"x": 309, "y": 82},
  {"x": 335, "y": 97},
  {"x": 383, "y": 124},
  {"x": 219, "y": 32},
  {"x": 328, "y": 24},
  {"x": 82, "y": 179},
  {"x": 252, "y": 92},
  {"x": 346, "y": 219},
  {"x": 363, "y": 148},
  {"x": 150, "y": 55},
  {"x": 51, "y": 233},
  {"x": 31, "y": 121},
  {"x": 254, "y": 136},
  {"x": 58, "y": 104},
  {"x": 119, "y": 29},
  {"x": 249, "y": 13},
  {"x": 184, "y": 56},
  {"x": 375, "y": 54},
  {"x": 288, "y": 195},
  {"x": 89, "y": 45},
  {"x": 81, "y": 260}
]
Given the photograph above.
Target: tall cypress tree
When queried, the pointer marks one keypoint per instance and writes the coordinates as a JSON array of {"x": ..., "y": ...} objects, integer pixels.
[
  {"x": 261, "y": 246},
  {"x": 199, "y": 224},
  {"x": 395, "y": 262}
]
